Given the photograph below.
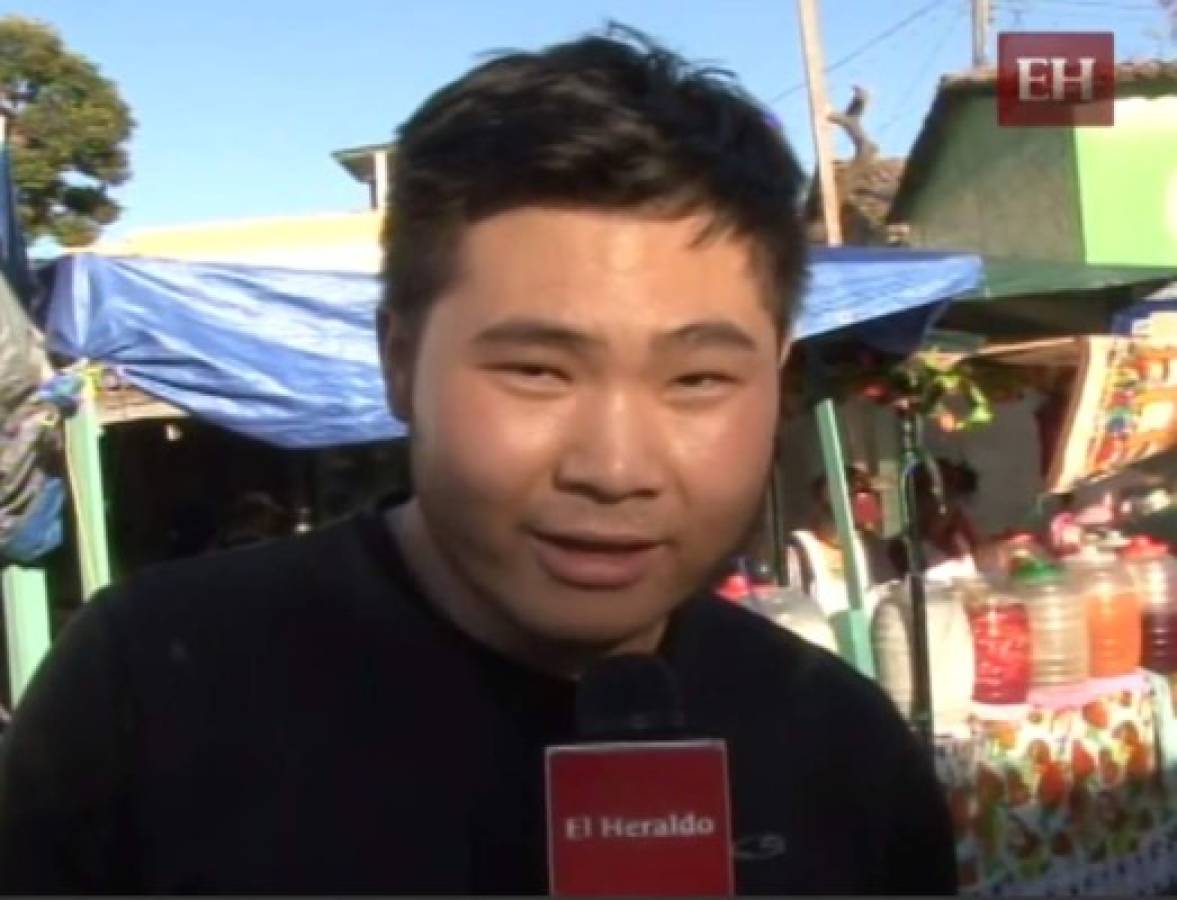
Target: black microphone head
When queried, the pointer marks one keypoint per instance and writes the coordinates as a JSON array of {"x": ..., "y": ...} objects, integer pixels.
[{"x": 631, "y": 695}]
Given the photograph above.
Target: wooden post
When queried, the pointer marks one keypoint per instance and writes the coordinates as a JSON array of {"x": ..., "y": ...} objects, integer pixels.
[
  {"x": 379, "y": 179},
  {"x": 980, "y": 32},
  {"x": 819, "y": 110}
]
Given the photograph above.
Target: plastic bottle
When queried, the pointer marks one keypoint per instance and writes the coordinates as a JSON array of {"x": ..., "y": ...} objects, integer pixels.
[
  {"x": 950, "y": 652},
  {"x": 1148, "y": 562},
  {"x": 1000, "y": 626},
  {"x": 1058, "y": 624},
  {"x": 734, "y": 588},
  {"x": 1112, "y": 602},
  {"x": 794, "y": 610}
]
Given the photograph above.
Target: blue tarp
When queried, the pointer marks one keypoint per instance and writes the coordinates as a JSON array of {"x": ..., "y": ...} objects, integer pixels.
[{"x": 290, "y": 357}]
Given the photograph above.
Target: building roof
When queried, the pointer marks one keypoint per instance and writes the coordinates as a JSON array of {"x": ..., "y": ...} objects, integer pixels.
[
  {"x": 1144, "y": 78},
  {"x": 348, "y": 242},
  {"x": 358, "y": 161},
  {"x": 1150, "y": 77},
  {"x": 865, "y": 192}
]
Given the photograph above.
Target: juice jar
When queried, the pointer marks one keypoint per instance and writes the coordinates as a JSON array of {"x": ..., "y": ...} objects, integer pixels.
[
  {"x": 1148, "y": 562},
  {"x": 1112, "y": 602},
  {"x": 796, "y": 611},
  {"x": 1058, "y": 624},
  {"x": 950, "y": 652},
  {"x": 1000, "y": 626}
]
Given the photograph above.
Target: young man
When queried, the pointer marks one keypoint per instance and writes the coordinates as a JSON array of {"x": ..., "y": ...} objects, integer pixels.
[{"x": 592, "y": 258}]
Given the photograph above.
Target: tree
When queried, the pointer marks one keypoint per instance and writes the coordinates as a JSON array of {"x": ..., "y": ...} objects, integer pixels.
[{"x": 67, "y": 131}]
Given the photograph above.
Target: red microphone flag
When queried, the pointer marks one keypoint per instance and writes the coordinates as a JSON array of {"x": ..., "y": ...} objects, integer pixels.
[{"x": 639, "y": 818}]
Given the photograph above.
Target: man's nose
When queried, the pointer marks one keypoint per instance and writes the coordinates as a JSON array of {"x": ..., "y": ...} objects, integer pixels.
[{"x": 613, "y": 450}]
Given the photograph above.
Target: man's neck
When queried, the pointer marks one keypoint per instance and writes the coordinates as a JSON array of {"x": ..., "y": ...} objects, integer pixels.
[{"x": 480, "y": 619}]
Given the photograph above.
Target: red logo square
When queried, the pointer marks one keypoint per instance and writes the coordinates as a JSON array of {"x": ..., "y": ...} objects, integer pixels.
[
  {"x": 1056, "y": 78},
  {"x": 639, "y": 819}
]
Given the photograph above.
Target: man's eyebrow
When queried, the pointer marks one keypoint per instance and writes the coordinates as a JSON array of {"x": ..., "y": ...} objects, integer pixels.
[
  {"x": 538, "y": 332},
  {"x": 708, "y": 333},
  {"x": 544, "y": 332}
]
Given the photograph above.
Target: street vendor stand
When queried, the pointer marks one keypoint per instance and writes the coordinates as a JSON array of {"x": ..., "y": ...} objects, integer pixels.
[
  {"x": 1073, "y": 793},
  {"x": 290, "y": 357}
]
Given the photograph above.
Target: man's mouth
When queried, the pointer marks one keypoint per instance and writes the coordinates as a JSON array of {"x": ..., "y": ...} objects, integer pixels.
[{"x": 596, "y": 561}]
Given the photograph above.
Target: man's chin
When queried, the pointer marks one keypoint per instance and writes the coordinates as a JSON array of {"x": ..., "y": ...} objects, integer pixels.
[{"x": 588, "y": 633}]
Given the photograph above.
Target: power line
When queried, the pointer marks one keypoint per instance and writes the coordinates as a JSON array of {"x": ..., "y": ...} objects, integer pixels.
[
  {"x": 1103, "y": 6},
  {"x": 954, "y": 21},
  {"x": 854, "y": 54}
]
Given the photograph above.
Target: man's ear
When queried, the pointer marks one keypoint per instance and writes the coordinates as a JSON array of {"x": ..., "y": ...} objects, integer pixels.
[
  {"x": 397, "y": 351},
  {"x": 785, "y": 347}
]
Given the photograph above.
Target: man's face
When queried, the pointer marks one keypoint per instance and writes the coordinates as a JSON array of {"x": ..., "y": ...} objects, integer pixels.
[{"x": 592, "y": 408}]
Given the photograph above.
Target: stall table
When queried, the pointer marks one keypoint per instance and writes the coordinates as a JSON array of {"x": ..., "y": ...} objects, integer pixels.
[{"x": 1070, "y": 794}]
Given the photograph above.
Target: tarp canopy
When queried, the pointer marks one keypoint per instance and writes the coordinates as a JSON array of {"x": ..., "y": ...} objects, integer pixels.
[
  {"x": 290, "y": 357},
  {"x": 1029, "y": 299},
  {"x": 1007, "y": 279}
]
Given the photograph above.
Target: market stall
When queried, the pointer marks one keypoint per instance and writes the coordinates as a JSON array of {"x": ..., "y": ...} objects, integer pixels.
[
  {"x": 1061, "y": 766},
  {"x": 289, "y": 357},
  {"x": 1066, "y": 788}
]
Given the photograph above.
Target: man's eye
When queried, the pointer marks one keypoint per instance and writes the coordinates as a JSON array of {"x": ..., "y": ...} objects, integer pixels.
[
  {"x": 528, "y": 370},
  {"x": 703, "y": 381},
  {"x": 532, "y": 375}
]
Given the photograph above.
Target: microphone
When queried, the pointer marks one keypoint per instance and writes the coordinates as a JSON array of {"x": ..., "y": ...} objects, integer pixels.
[{"x": 638, "y": 807}]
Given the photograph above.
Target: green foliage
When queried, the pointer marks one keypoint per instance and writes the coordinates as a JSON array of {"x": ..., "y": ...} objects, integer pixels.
[
  {"x": 67, "y": 131},
  {"x": 956, "y": 393}
]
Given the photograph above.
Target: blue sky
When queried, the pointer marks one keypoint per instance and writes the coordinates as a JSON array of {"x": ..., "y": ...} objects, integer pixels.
[{"x": 240, "y": 102}]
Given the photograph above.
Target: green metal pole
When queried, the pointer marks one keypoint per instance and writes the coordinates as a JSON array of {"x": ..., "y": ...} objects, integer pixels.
[
  {"x": 26, "y": 623},
  {"x": 850, "y": 627},
  {"x": 82, "y": 443}
]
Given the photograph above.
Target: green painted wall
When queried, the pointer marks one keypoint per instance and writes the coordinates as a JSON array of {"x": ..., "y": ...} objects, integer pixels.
[
  {"x": 1128, "y": 179},
  {"x": 1000, "y": 191}
]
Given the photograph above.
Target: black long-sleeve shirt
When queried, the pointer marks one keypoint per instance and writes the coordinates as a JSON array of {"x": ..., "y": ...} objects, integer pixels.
[{"x": 296, "y": 718}]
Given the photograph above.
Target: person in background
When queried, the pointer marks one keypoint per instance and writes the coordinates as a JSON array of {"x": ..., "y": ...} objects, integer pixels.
[
  {"x": 1064, "y": 530},
  {"x": 815, "y": 558},
  {"x": 950, "y": 541}
]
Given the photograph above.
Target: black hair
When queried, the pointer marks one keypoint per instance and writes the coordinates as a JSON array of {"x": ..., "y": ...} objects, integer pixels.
[
  {"x": 959, "y": 479},
  {"x": 858, "y": 480},
  {"x": 611, "y": 121}
]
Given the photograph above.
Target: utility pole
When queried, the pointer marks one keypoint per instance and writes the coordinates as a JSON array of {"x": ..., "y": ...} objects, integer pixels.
[
  {"x": 981, "y": 16},
  {"x": 819, "y": 109}
]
